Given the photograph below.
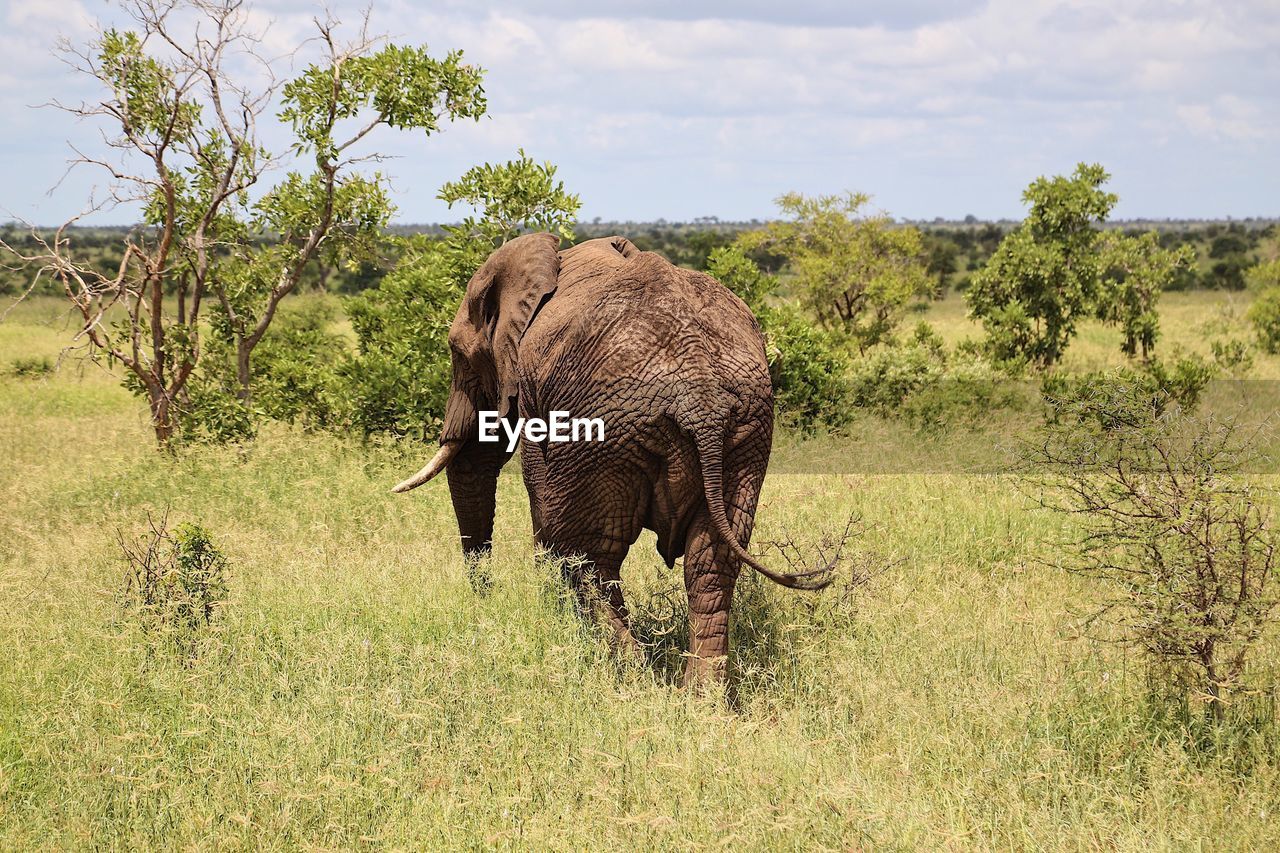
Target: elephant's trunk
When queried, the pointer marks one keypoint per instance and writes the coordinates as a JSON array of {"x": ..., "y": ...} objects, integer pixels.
[
  {"x": 473, "y": 487},
  {"x": 437, "y": 464}
]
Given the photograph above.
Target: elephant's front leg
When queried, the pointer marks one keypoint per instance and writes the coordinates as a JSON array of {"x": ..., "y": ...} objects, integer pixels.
[{"x": 709, "y": 577}]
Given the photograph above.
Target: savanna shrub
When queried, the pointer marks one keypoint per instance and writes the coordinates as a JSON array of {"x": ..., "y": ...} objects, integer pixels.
[
  {"x": 398, "y": 379},
  {"x": 30, "y": 367},
  {"x": 1181, "y": 541},
  {"x": 808, "y": 368},
  {"x": 886, "y": 377},
  {"x": 1232, "y": 356},
  {"x": 1264, "y": 314},
  {"x": 209, "y": 411},
  {"x": 967, "y": 392},
  {"x": 293, "y": 373},
  {"x": 1116, "y": 397},
  {"x": 294, "y": 366},
  {"x": 1263, "y": 276},
  {"x": 174, "y": 579}
]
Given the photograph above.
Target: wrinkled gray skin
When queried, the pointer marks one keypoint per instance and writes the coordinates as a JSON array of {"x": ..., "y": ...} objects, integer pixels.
[{"x": 673, "y": 363}]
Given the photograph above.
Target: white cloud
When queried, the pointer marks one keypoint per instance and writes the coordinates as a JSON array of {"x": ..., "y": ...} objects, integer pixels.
[{"x": 937, "y": 108}]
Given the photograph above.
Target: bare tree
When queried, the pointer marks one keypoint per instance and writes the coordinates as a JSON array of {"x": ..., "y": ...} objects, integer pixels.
[{"x": 1180, "y": 539}]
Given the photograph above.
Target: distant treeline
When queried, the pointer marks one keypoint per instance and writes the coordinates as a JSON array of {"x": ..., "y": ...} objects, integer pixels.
[{"x": 1225, "y": 249}]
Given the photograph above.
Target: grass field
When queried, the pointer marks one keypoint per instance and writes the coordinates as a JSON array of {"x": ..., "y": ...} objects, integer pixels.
[{"x": 355, "y": 691}]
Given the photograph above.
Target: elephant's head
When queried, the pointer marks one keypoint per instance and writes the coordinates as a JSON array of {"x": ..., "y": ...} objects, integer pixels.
[{"x": 499, "y": 304}]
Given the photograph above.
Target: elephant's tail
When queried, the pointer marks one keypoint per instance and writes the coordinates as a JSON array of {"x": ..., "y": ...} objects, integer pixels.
[{"x": 710, "y": 443}]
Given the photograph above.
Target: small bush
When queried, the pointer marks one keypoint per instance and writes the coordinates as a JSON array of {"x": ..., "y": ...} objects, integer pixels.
[
  {"x": 1263, "y": 276},
  {"x": 1232, "y": 356},
  {"x": 808, "y": 368},
  {"x": 295, "y": 363},
  {"x": 887, "y": 377},
  {"x": 929, "y": 388},
  {"x": 174, "y": 580},
  {"x": 31, "y": 367},
  {"x": 966, "y": 393},
  {"x": 1182, "y": 543},
  {"x": 398, "y": 379},
  {"x": 1117, "y": 396},
  {"x": 1264, "y": 314}
]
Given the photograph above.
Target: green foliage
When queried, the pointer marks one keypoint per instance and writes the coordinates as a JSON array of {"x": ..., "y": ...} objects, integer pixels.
[
  {"x": 1135, "y": 271},
  {"x": 1044, "y": 276},
  {"x": 855, "y": 271},
  {"x": 928, "y": 387},
  {"x": 174, "y": 100},
  {"x": 1232, "y": 356},
  {"x": 884, "y": 379},
  {"x": 210, "y": 410},
  {"x": 405, "y": 87},
  {"x": 398, "y": 380},
  {"x": 1263, "y": 276},
  {"x": 1057, "y": 268},
  {"x": 1228, "y": 273},
  {"x": 732, "y": 268},
  {"x": 1126, "y": 395},
  {"x": 808, "y": 367},
  {"x": 151, "y": 104},
  {"x": 30, "y": 366},
  {"x": 519, "y": 195},
  {"x": 297, "y": 362},
  {"x": 1264, "y": 314}
]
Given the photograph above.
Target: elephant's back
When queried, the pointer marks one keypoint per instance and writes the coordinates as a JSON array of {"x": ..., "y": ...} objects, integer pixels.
[
  {"x": 648, "y": 310},
  {"x": 652, "y": 350}
]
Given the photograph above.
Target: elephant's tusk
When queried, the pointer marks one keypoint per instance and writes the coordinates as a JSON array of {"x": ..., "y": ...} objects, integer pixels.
[{"x": 437, "y": 464}]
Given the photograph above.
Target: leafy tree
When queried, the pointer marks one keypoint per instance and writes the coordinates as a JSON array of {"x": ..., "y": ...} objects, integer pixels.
[
  {"x": 855, "y": 271},
  {"x": 1043, "y": 277},
  {"x": 1057, "y": 267},
  {"x": 1228, "y": 273},
  {"x": 182, "y": 129},
  {"x": 941, "y": 255},
  {"x": 1135, "y": 272}
]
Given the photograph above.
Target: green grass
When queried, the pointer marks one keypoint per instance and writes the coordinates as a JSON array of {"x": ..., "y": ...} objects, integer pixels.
[{"x": 355, "y": 691}]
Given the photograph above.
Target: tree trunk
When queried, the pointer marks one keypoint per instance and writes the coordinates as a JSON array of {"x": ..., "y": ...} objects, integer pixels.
[
  {"x": 244, "y": 394},
  {"x": 161, "y": 417}
]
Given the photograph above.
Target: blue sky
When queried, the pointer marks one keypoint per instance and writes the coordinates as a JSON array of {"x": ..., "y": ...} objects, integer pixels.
[{"x": 714, "y": 108}]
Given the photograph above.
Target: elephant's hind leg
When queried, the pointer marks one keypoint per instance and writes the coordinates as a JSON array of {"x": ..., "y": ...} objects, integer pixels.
[{"x": 710, "y": 573}]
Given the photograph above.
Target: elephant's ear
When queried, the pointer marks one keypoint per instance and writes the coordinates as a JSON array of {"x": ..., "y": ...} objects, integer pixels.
[{"x": 501, "y": 300}]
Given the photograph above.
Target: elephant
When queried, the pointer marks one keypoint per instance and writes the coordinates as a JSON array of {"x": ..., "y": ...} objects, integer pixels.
[{"x": 674, "y": 365}]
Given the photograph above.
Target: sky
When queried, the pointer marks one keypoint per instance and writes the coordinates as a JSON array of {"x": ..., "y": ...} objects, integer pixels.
[{"x": 679, "y": 109}]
